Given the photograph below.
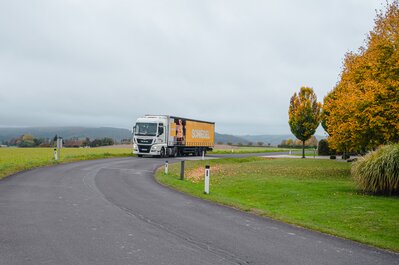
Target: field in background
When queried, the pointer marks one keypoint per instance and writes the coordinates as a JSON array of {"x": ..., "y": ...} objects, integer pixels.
[
  {"x": 317, "y": 194},
  {"x": 228, "y": 149},
  {"x": 13, "y": 160}
]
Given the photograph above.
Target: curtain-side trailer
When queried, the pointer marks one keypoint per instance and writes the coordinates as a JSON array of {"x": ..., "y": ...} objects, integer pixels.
[{"x": 163, "y": 135}]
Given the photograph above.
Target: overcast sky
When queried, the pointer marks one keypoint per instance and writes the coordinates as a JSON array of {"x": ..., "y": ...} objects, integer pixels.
[{"x": 105, "y": 63}]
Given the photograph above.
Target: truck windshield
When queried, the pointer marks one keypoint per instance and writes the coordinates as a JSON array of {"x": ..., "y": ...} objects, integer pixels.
[{"x": 148, "y": 129}]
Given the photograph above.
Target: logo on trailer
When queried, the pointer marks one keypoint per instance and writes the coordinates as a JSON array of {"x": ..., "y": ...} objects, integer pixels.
[{"x": 200, "y": 134}]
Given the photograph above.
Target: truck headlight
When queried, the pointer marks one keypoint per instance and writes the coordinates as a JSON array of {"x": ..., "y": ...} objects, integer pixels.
[
  {"x": 154, "y": 147},
  {"x": 134, "y": 146}
]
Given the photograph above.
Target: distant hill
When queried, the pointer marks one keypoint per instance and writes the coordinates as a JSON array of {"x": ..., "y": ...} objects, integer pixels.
[
  {"x": 118, "y": 134},
  {"x": 66, "y": 132},
  {"x": 83, "y": 132},
  {"x": 227, "y": 138}
]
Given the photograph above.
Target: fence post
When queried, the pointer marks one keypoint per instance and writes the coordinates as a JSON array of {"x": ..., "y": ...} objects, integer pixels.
[
  {"x": 182, "y": 170},
  {"x": 207, "y": 176}
]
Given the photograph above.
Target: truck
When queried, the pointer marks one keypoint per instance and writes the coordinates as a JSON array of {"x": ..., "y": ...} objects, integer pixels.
[{"x": 169, "y": 136}]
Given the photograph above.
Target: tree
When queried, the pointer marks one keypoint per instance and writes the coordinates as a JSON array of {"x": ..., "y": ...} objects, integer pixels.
[
  {"x": 304, "y": 115},
  {"x": 289, "y": 142},
  {"x": 86, "y": 142},
  {"x": 363, "y": 108},
  {"x": 312, "y": 142},
  {"x": 260, "y": 143}
]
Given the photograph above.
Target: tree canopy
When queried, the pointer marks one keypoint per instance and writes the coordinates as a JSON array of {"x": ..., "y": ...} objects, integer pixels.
[{"x": 362, "y": 111}]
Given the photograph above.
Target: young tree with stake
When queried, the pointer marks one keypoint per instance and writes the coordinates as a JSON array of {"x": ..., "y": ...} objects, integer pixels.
[{"x": 304, "y": 115}]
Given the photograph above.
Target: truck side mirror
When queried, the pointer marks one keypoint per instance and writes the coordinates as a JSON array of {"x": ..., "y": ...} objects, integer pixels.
[{"x": 160, "y": 130}]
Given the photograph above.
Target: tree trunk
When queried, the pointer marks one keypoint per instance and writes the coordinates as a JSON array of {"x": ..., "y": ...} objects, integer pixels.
[{"x": 303, "y": 149}]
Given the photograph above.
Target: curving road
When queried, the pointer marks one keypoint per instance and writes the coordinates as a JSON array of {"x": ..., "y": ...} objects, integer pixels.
[{"x": 113, "y": 212}]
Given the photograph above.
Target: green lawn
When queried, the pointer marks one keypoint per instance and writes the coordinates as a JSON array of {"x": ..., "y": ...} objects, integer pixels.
[
  {"x": 317, "y": 194},
  {"x": 247, "y": 149},
  {"x": 13, "y": 160}
]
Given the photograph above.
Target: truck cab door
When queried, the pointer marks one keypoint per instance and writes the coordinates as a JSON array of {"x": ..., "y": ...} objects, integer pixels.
[{"x": 161, "y": 132}]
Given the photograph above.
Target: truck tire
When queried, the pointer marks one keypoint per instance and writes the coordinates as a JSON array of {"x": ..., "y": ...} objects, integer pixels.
[
  {"x": 139, "y": 155},
  {"x": 162, "y": 153}
]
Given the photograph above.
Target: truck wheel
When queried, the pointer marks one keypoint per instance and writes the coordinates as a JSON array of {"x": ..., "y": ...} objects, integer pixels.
[
  {"x": 162, "y": 154},
  {"x": 139, "y": 155}
]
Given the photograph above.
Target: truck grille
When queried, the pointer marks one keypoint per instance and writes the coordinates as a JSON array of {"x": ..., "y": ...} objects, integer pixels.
[
  {"x": 144, "y": 141},
  {"x": 144, "y": 148}
]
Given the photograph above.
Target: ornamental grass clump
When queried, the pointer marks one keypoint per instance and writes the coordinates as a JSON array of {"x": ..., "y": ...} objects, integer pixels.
[{"x": 378, "y": 171}]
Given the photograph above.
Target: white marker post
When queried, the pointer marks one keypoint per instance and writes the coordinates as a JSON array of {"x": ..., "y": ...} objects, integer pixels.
[
  {"x": 55, "y": 154},
  {"x": 59, "y": 146},
  {"x": 203, "y": 154},
  {"x": 207, "y": 176},
  {"x": 166, "y": 167}
]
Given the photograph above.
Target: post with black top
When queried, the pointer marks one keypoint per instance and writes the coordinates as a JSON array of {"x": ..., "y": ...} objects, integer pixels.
[
  {"x": 166, "y": 167},
  {"x": 207, "y": 176},
  {"x": 55, "y": 154},
  {"x": 182, "y": 170}
]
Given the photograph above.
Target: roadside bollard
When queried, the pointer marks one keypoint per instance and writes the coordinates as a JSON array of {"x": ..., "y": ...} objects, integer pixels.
[
  {"x": 166, "y": 167},
  {"x": 55, "y": 154},
  {"x": 290, "y": 153},
  {"x": 207, "y": 176},
  {"x": 203, "y": 155},
  {"x": 182, "y": 170},
  {"x": 59, "y": 146}
]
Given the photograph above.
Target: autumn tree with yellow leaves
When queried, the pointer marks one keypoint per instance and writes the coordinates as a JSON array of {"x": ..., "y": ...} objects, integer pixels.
[
  {"x": 362, "y": 111},
  {"x": 304, "y": 115}
]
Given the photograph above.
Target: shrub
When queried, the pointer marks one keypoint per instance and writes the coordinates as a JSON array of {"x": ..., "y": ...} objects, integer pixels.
[
  {"x": 345, "y": 156},
  {"x": 323, "y": 149},
  {"x": 333, "y": 157},
  {"x": 378, "y": 171}
]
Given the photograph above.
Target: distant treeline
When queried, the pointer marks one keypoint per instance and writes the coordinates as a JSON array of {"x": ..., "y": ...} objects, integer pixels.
[
  {"x": 290, "y": 143},
  {"x": 28, "y": 140}
]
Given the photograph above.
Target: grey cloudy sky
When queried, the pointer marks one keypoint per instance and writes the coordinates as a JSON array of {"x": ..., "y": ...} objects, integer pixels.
[{"x": 105, "y": 63}]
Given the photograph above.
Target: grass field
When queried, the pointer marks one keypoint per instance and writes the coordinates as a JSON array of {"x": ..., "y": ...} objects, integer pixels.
[
  {"x": 317, "y": 194},
  {"x": 13, "y": 160},
  {"x": 246, "y": 150}
]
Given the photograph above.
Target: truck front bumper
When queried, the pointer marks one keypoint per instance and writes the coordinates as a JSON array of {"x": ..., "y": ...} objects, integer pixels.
[{"x": 147, "y": 150}]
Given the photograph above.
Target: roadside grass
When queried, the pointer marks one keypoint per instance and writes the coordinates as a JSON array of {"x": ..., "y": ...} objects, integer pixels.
[
  {"x": 247, "y": 150},
  {"x": 13, "y": 160},
  {"x": 316, "y": 194}
]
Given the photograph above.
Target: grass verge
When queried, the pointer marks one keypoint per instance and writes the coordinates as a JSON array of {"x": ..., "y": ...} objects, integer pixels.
[
  {"x": 13, "y": 160},
  {"x": 316, "y": 194}
]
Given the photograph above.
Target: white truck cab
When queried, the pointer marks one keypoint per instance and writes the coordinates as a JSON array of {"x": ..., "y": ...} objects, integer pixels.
[{"x": 150, "y": 135}]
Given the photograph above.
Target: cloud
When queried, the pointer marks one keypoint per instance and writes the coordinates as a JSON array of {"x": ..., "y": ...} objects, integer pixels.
[{"x": 105, "y": 63}]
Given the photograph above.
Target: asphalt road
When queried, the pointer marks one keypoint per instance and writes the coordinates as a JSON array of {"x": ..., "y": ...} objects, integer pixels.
[{"x": 113, "y": 212}]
